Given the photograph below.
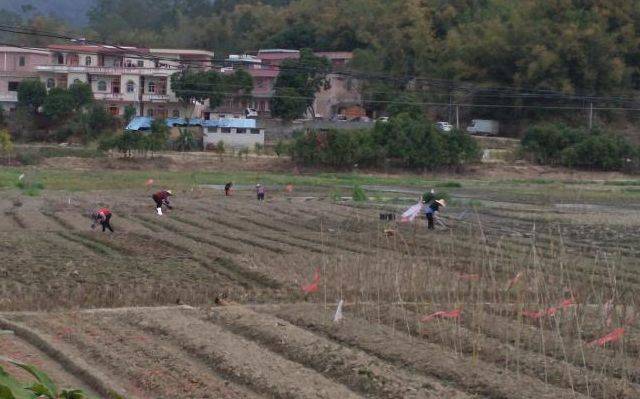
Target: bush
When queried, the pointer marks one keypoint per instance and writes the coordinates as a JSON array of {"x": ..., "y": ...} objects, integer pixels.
[
  {"x": 281, "y": 148},
  {"x": 258, "y": 148},
  {"x": 358, "y": 194},
  {"x": 29, "y": 157},
  {"x": 560, "y": 145},
  {"x": 407, "y": 141}
]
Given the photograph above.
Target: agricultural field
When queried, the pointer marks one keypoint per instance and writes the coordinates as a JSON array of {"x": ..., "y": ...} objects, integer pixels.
[{"x": 207, "y": 301}]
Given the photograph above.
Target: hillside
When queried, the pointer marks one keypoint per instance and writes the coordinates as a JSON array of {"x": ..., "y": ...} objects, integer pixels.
[{"x": 73, "y": 12}]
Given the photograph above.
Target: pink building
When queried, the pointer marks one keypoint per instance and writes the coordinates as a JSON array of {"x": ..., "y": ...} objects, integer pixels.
[
  {"x": 17, "y": 64},
  {"x": 340, "y": 92}
]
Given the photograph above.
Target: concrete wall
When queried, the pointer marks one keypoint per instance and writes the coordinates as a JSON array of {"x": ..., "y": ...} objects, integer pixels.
[{"x": 233, "y": 139}]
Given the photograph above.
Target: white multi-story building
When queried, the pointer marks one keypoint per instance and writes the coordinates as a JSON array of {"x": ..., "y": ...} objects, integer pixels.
[{"x": 125, "y": 76}]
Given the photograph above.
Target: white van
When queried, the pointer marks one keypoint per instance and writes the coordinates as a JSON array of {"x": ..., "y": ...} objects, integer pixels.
[{"x": 484, "y": 127}]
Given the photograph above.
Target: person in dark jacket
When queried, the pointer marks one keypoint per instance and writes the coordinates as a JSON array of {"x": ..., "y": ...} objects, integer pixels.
[
  {"x": 432, "y": 210},
  {"x": 227, "y": 189},
  {"x": 260, "y": 192},
  {"x": 103, "y": 217},
  {"x": 162, "y": 198}
]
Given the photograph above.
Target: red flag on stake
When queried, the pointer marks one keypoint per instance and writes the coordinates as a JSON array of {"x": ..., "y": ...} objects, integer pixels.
[
  {"x": 468, "y": 277},
  {"x": 567, "y": 303},
  {"x": 313, "y": 286},
  {"x": 454, "y": 314},
  {"x": 288, "y": 188},
  {"x": 613, "y": 336}
]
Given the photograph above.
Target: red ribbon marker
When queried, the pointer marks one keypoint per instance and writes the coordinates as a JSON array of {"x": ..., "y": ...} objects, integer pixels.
[
  {"x": 613, "y": 336},
  {"x": 313, "y": 286},
  {"x": 454, "y": 314}
]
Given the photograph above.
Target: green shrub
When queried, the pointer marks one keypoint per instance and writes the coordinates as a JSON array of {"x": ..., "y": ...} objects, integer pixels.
[
  {"x": 448, "y": 184},
  {"x": 407, "y": 141},
  {"x": 358, "y": 194},
  {"x": 29, "y": 157},
  {"x": 560, "y": 145},
  {"x": 258, "y": 148}
]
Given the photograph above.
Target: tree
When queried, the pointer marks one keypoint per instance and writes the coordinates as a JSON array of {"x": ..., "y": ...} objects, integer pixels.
[
  {"x": 157, "y": 139},
  {"x": 31, "y": 94},
  {"x": 185, "y": 141},
  {"x": 297, "y": 85},
  {"x": 100, "y": 120},
  {"x": 6, "y": 145},
  {"x": 211, "y": 86},
  {"x": 81, "y": 93},
  {"x": 58, "y": 104},
  {"x": 129, "y": 113}
]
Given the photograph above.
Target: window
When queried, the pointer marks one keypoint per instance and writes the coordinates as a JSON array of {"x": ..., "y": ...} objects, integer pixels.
[
  {"x": 76, "y": 81},
  {"x": 102, "y": 85},
  {"x": 152, "y": 87},
  {"x": 207, "y": 116},
  {"x": 140, "y": 63},
  {"x": 87, "y": 61},
  {"x": 13, "y": 86},
  {"x": 255, "y": 131},
  {"x": 175, "y": 113},
  {"x": 22, "y": 61},
  {"x": 113, "y": 110},
  {"x": 241, "y": 131},
  {"x": 131, "y": 86},
  {"x": 51, "y": 83},
  {"x": 60, "y": 59},
  {"x": 150, "y": 112},
  {"x": 225, "y": 130}
]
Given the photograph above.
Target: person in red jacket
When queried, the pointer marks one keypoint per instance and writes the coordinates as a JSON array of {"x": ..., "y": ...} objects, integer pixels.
[
  {"x": 102, "y": 216},
  {"x": 162, "y": 198}
]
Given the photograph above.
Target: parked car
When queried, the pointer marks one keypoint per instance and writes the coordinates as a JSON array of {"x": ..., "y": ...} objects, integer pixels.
[
  {"x": 383, "y": 119},
  {"x": 484, "y": 127},
  {"x": 361, "y": 119},
  {"x": 444, "y": 126},
  {"x": 339, "y": 118},
  {"x": 251, "y": 113}
]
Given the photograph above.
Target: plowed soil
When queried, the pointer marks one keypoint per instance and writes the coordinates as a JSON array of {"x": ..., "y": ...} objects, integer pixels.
[{"x": 206, "y": 301}]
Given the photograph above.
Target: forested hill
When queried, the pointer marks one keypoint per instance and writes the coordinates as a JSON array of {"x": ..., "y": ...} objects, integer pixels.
[
  {"x": 574, "y": 46},
  {"x": 73, "y": 12},
  {"x": 569, "y": 45}
]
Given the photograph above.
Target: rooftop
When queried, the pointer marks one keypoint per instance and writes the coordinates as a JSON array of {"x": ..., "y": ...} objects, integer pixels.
[
  {"x": 11, "y": 49},
  {"x": 181, "y": 52},
  {"x": 90, "y": 48}
]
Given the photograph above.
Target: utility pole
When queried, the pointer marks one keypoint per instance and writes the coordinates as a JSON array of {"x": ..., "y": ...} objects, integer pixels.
[
  {"x": 590, "y": 115},
  {"x": 458, "y": 116},
  {"x": 450, "y": 110}
]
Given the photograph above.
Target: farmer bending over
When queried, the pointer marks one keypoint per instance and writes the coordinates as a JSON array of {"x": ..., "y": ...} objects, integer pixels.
[
  {"x": 227, "y": 189},
  {"x": 432, "y": 210},
  {"x": 162, "y": 198},
  {"x": 102, "y": 216}
]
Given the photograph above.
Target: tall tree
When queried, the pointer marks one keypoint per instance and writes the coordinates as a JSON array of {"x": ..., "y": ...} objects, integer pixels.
[
  {"x": 297, "y": 84},
  {"x": 31, "y": 94}
]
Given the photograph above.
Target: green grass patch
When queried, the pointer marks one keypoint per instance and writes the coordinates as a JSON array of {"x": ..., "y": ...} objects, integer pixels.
[
  {"x": 72, "y": 180},
  {"x": 448, "y": 184},
  {"x": 532, "y": 181},
  {"x": 622, "y": 183}
]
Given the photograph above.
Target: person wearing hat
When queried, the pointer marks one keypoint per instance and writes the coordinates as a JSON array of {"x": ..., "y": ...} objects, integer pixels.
[
  {"x": 260, "y": 192},
  {"x": 162, "y": 198},
  {"x": 432, "y": 210}
]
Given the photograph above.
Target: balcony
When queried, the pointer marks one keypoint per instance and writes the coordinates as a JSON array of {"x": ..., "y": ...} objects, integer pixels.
[
  {"x": 97, "y": 70},
  {"x": 11, "y": 96},
  {"x": 109, "y": 96},
  {"x": 155, "y": 97}
]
